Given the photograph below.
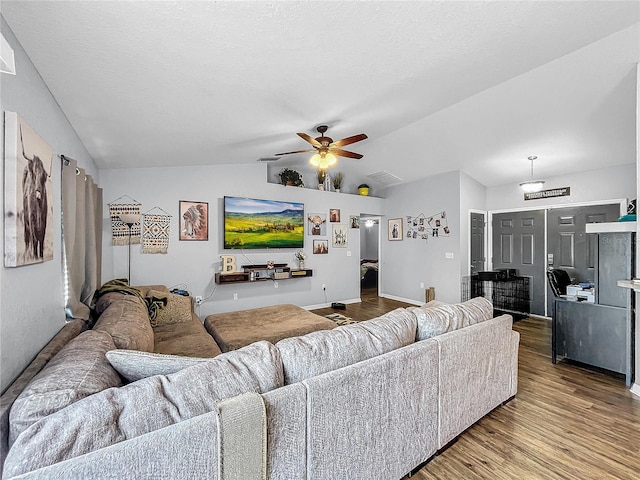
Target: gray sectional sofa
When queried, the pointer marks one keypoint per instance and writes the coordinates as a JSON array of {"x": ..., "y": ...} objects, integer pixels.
[{"x": 371, "y": 400}]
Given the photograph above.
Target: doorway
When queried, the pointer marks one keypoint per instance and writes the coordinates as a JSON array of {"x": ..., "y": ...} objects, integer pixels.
[
  {"x": 369, "y": 256},
  {"x": 476, "y": 244}
]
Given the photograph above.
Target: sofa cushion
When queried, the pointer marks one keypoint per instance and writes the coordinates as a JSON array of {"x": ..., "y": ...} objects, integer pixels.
[
  {"x": 119, "y": 414},
  {"x": 168, "y": 308},
  {"x": 438, "y": 318},
  {"x": 188, "y": 339},
  {"x": 325, "y": 350},
  {"x": 78, "y": 370},
  {"x": 134, "y": 365},
  {"x": 126, "y": 319}
]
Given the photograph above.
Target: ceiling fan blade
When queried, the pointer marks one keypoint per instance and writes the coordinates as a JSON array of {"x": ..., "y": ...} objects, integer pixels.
[
  {"x": 297, "y": 151},
  {"x": 310, "y": 139},
  {"x": 345, "y": 153},
  {"x": 349, "y": 140}
]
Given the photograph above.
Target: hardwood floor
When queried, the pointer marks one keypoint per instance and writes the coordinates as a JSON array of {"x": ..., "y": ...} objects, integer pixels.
[{"x": 566, "y": 422}]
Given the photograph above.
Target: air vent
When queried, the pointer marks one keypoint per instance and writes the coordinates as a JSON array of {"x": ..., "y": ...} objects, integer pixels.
[
  {"x": 384, "y": 178},
  {"x": 269, "y": 159}
]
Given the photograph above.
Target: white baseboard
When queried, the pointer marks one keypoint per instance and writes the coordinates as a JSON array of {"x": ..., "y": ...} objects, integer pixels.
[
  {"x": 402, "y": 299},
  {"x": 328, "y": 305},
  {"x": 635, "y": 389}
]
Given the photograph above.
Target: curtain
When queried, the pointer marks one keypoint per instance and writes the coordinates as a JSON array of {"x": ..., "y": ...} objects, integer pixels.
[{"x": 81, "y": 238}]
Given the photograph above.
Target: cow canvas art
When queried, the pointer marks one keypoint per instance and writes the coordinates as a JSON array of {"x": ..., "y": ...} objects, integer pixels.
[{"x": 28, "y": 212}]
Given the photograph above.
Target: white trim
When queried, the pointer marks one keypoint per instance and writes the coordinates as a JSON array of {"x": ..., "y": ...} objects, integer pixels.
[
  {"x": 402, "y": 299},
  {"x": 635, "y": 389},
  {"x": 328, "y": 305}
]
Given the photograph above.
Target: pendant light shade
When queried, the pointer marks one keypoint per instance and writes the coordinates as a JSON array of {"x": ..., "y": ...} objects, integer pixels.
[
  {"x": 532, "y": 185},
  {"x": 323, "y": 160}
]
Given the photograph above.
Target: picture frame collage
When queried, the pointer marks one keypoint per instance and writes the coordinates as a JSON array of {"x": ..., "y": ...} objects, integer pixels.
[{"x": 317, "y": 227}]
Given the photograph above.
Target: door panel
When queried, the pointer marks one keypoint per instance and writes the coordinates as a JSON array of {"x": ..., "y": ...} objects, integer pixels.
[
  {"x": 569, "y": 247},
  {"x": 477, "y": 242},
  {"x": 518, "y": 242}
]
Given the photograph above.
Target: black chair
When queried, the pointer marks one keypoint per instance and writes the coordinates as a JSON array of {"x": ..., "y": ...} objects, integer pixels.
[{"x": 558, "y": 281}]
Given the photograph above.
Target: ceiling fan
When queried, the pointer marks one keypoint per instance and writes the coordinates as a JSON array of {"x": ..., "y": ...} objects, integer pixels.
[{"x": 326, "y": 149}]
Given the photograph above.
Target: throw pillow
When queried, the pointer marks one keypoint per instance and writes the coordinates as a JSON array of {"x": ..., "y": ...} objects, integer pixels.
[
  {"x": 134, "y": 365},
  {"x": 78, "y": 370},
  {"x": 168, "y": 308},
  {"x": 127, "y": 321}
]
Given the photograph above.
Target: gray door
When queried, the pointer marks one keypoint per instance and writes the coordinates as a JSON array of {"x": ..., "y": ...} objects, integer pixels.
[
  {"x": 476, "y": 260},
  {"x": 569, "y": 247},
  {"x": 518, "y": 242}
]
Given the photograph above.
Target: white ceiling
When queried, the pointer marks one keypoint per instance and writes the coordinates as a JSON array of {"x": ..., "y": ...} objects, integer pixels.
[{"x": 437, "y": 86}]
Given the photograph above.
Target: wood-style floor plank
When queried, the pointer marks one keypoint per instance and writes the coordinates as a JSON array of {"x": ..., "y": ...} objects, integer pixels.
[{"x": 566, "y": 422}]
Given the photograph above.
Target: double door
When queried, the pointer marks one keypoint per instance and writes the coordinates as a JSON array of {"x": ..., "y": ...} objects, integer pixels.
[{"x": 520, "y": 240}]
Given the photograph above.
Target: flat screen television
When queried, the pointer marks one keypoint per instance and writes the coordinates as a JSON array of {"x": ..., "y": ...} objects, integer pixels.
[{"x": 253, "y": 223}]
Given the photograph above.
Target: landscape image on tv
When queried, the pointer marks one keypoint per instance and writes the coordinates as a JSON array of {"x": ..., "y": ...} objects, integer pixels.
[{"x": 253, "y": 223}]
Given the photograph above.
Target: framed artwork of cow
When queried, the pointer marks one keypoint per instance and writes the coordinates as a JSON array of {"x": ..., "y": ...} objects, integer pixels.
[
  {"x": 194, "y": 220},
  {"x": 28, "y": 195}
]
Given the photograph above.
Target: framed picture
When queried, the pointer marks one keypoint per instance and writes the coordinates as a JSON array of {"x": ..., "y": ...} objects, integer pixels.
[
  {"x": 317, "y": 224},
  {"x": 28, "y": 195},
  {"x": 339, "y": 235},
  {"x": 395, "y": 229},
  {"x": 320, "y": 246},
  {"x": 334, "y": 215},
  {"x": 194, "y": 220},
  {"x": 354, "y": 221}
]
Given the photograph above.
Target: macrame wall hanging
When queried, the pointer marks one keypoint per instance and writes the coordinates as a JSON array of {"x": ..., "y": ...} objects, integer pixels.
[
  {"x": 422, "y": 227},
  {"x": 119, "y": 230},
  {"x": 155, "y": 231}
]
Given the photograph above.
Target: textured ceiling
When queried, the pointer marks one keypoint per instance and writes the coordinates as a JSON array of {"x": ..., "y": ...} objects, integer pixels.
[{"x": 437, "y": 86}]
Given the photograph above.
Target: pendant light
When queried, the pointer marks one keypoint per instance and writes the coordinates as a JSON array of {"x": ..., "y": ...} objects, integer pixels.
[{"x": 532, "y": 185}]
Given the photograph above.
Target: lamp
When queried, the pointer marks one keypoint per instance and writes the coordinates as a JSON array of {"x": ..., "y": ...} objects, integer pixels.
[
  {"x": 532, "y": 185},
  {"x": 129, "y": 219},
  {"x": 323, "y": 159}
]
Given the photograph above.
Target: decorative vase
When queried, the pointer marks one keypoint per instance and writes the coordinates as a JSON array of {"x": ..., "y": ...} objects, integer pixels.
[
  {"x": 337, "y": 190},
  {"x": 363, "y": 191},
  {"x": 320, "y": 187},
  {"x": 301, "y": 264}
]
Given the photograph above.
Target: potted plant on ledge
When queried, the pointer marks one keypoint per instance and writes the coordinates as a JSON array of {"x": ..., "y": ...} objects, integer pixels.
[
  {"x": 290, "y": 177},
  {"x": 363, "y": 189},
  {"x": 337, "y": 180}
]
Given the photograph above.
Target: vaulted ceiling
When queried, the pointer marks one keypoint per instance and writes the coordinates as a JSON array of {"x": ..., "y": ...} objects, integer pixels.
[{"x": 437, "y": 86}]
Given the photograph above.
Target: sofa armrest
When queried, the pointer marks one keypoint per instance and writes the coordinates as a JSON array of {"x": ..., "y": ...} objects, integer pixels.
[
  {"x": 186, "y": 450},
  {"x": 477, "y": 370}
]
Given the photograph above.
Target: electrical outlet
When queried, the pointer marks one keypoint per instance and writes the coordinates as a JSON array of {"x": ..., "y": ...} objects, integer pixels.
[
  {"x": 324, "y": 287},
  {"x": 235, "y": 296},
  {"x": 275, "y": 284},
  {"x": 421, "y": 284},
  {"x": 198, "y": 300}
]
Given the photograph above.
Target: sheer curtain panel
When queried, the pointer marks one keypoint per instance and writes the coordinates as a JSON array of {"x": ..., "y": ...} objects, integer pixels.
[{"x": 81, "y": 238}]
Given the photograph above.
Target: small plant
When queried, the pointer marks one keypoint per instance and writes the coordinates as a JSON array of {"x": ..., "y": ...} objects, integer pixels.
[
  {"x": 337, "y": 180},
  {"x": 300, "y": 255},
  {"x": 321, "y": 173},
  {"x": 290, "y": 177}
]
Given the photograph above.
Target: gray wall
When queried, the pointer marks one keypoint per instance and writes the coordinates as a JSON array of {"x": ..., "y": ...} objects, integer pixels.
[
  {"x": 591, "y": 186},
  {"x": 407, "y": 263},
  {"x": 31, "y": 298},
  {"x": 194, "y": 263}
]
